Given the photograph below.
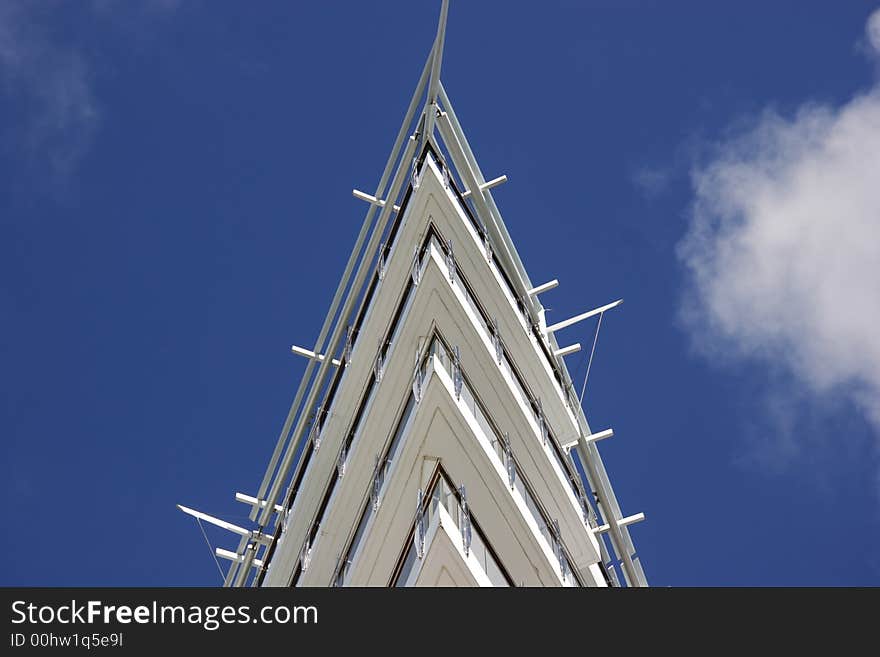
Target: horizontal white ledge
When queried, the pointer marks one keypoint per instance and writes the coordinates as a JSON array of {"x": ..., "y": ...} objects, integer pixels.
[
  {"x": 241, "y": 531},
  {"x": 228, "y": 526},
  {"x": 579, "y": 318},
  {"x": 372, "y": 200},
  {"x": 232, "y": 556},
  {"x": 544, "y": 287},
  {"x": 593, "y": 437},
  {"x": 631, "y": 520},
  {"x": 253, "y": 501},
  {"x": 570, "y": 349},
  {"x": 623, "y": 522},
  {"x": 300, "y": 351},
  {"x": 487, "y": 185}
]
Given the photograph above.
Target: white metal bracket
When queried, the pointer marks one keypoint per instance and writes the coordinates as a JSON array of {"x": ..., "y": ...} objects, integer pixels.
[{"x": 579, "y": 318}]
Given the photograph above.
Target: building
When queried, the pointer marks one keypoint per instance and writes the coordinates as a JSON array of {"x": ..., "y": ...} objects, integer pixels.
[{"x": 436, "y": 437}]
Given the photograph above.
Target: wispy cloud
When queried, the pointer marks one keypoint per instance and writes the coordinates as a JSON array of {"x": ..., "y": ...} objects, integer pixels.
[
  {"x": 138, "y": 6},
  {"x": 57, "y": 111},
  {"x": 656, "y": 178},
  {"x": 47, "y": 78},
  {"x": 783, "y": 250},
  {"x": 652, "y": 181},
  {"x": 872, "y": 32}
]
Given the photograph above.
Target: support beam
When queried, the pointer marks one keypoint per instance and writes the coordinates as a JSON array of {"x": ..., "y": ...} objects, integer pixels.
[
  {"x": 579, "y": 318},
  {"x": 631, "y": 520},
  {"x": 233, "y": 556},
  {"x": 253, "y": 501},
  {"x": 234, "y": 566},
  {"x": 623, "y": 522},
  {"x": 245, "y": 568},
  {"x": 570, "y": 349},
  {"x": 311, "y": 355},
  {"x": 543, "y": 288},
  {"x": 436, "y": 61},
  {"x": 592, "y": 438},
  {"x": 372, "y": 200},
  {"x": 228, "y": 526},
  {"x": 487, "y": 185}
]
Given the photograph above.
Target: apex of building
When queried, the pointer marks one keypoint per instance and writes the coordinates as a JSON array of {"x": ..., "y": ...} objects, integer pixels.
[{"x": 436, "y": 436}]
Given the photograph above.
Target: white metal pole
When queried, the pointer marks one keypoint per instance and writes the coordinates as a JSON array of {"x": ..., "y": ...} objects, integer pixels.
[
  {"x": 543, "y": 288},
  {"x": 434, "y": 83},
  {"x": 579, "y": 318}
]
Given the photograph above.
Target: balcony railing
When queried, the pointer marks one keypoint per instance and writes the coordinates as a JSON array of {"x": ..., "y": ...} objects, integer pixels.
[
  {"x": 444, "y": 493},
  {"x": 384, "y": 352},
  {"x": 441, "y": 357}
]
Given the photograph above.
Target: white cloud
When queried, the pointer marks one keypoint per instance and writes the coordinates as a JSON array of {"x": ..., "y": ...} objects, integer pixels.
[
  {"x": 49, "y": 77},
  {"x": 652, "y": 181},
  {"x": 872, "y": 30},
  {"x": 50, "y": 80},
  {"x": 783, "y": 250}
]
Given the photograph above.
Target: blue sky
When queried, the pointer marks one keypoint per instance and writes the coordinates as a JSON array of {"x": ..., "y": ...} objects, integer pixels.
[{"x": 176, "y": 210}]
